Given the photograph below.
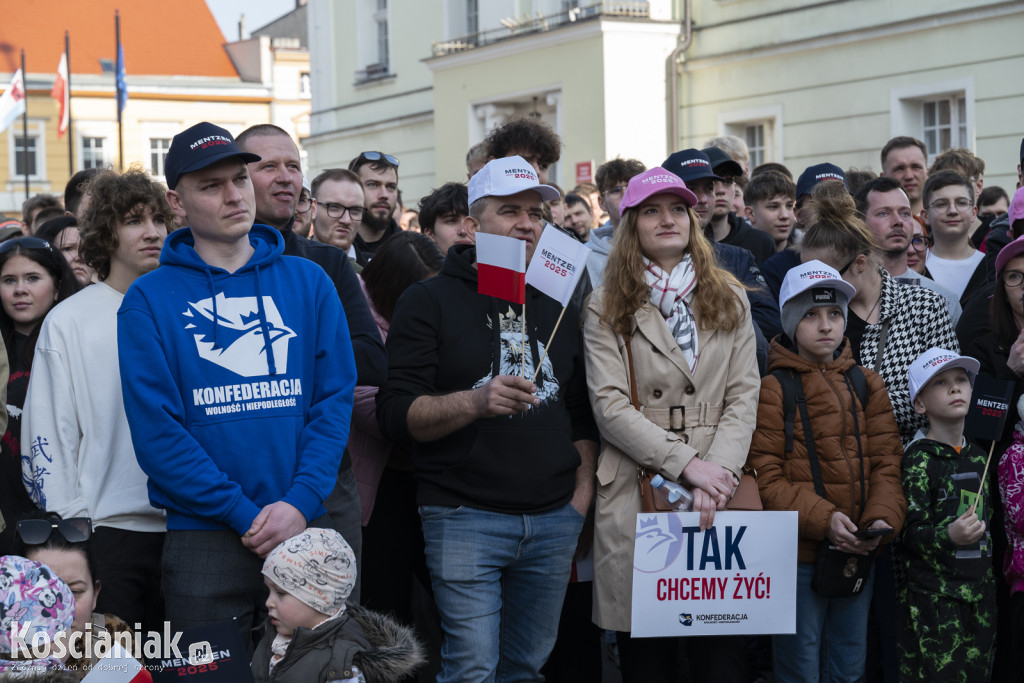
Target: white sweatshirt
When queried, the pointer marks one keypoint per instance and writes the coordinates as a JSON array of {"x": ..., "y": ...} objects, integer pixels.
[{"x": 78, "y": 455}]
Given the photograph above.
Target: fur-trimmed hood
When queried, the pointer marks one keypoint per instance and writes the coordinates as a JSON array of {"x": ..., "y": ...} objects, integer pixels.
[{"x": 395, "y": 651}]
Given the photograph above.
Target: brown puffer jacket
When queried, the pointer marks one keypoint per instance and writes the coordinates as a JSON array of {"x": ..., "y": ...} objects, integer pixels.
[{"x": 785, "y": 481}]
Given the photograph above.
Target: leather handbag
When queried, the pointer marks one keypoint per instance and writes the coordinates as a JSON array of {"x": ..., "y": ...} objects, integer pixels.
[{"x": 745, "y": 497}]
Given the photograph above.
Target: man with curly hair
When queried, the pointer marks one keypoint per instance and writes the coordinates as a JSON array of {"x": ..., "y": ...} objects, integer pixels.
[
  {"x": 80, "y": 461},
  {"x": 528, "y": 138}
]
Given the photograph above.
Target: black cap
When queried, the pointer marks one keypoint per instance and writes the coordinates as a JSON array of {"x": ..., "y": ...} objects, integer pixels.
[
  {"x": 1022, "y": 150},
  {"x": 722, "y": 163},
  {"x": 690, "y": 164},
  {"x": 813, "y": 175},
  {"x": 202, "y": 145}
]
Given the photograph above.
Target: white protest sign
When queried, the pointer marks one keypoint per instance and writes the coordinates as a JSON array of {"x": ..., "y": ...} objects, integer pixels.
[
  {"x": 557, "y": 265},
  {"x": 738, "y": 577}
]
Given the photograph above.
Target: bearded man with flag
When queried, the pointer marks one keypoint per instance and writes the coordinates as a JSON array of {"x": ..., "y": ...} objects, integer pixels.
[{"x": 504, "y": 467}]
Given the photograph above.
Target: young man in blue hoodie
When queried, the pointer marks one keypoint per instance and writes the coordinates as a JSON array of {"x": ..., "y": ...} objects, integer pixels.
[{"x": 238, "y": 393}]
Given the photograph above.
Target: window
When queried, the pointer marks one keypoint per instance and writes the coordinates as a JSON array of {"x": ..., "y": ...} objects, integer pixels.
[
  {"x": 157, "y": 151},
  {"x": 304, "y": 84},
  {"x": 940, "y": 114},
  {"x": 19, "y": 155},
  {"x": 944, "y": 123},
  {"x": 92, "y": 153},
  {"x": 472, "y": 17},
  {"x": 755, "y": 144},
  {"x": 381, "y": 18}
]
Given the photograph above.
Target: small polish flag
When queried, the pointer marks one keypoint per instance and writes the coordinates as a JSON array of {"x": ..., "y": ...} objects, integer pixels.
[
  {"x": 61, "y": 93},
  {"x": 118, "y": 667},
  {"x": 12, "y": 102},
  {"x": 501, "y": 267}
]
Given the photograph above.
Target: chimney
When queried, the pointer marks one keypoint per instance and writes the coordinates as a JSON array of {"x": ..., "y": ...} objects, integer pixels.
[{"x": 242, "y": 33}]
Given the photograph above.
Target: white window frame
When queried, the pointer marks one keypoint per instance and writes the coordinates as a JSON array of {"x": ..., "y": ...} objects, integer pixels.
[
  {"x": 37, "y": 130},
  {"x": 736, "y": 123},
  {"x": 158, "y": 130},
  {"x": 906, "y": 108},
  {"x": 380, "y": 20},
  {"x": 153, "y": 150},
  {"x": 89, "y": 154},
  {"x": 95, "y": 129}
]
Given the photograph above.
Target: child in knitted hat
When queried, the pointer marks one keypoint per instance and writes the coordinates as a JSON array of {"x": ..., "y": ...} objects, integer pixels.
[{"x": 39, "y": 607}]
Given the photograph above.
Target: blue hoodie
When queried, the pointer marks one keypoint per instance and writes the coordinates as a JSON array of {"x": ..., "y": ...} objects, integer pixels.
[{"x": 237, "y": 386}]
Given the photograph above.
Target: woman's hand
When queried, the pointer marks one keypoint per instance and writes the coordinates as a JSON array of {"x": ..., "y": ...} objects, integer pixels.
[
  {"x": 1015, "y": 361},
  {"x": 714, "y": 479},
  {"x": 706, "y": 505},
  {"x": 841, "y": 532}
]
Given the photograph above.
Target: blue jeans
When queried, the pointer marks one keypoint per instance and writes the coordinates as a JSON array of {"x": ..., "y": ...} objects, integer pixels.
[
  {"x": 830, "y": 643},
  {"x": 499, "y": 581}
]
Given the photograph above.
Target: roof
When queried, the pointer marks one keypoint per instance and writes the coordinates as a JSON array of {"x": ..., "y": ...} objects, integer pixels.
[
  {"x": 290, "y": 25},
  {"x": 159, "y": 38}
]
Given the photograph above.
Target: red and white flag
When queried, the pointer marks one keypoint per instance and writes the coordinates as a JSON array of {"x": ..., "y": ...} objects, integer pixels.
[
  {"x": 557, "y": 265},
  {"x": 12, "y": 102},
  {"x": 118, "y": 667},
  {"x": 62, "y": 93},
  {"x": 501, "y": 267}
]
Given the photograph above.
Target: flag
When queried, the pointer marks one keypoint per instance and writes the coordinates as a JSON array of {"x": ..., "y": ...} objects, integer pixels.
[
  {"x": 62, "y": 94},
  {"x": 557, "y": 265},
  {"x": 118, "y": 667},
  {"x": 501, "y": 267},
  {"x": 12, "y": 102},
  {"x": 122, "y": 87}
]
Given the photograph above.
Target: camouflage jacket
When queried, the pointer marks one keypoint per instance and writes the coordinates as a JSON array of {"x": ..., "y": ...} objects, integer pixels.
[{"x": 940, "y": 485}]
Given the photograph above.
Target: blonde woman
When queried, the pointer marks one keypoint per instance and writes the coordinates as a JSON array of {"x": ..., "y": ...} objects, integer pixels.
[{"x": 686, "y": 324}]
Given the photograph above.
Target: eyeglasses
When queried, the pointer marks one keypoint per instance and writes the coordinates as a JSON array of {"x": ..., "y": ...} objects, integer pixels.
[
  {"x": 962, "y": 204},
  {"x": 921, "y": 242},
  {"x": 618, "y": 189},
  {"x": 1012, "y": 278},
  {"x": 73, "y": 529},
  {"x": 842, "y": 271},
  {"x": 377, "y": 156},
  {"x": 305, "y": 203},
  {"x": 337, "y": 211},
  {"x": 25, "y": 243}
]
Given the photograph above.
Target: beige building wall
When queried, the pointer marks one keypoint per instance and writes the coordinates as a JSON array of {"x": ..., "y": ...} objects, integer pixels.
[{"x": 836, "y": 82}]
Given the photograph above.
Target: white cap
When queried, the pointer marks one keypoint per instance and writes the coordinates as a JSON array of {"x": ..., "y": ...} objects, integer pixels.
[
  {"x": 936, "y": 360},
  {"x": 814, "y": 275},
  {"x": 507, "y": 176}
]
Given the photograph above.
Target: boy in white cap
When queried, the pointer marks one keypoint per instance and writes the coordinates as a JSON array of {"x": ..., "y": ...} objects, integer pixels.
[
  {"x": 841, "y": 475},
  {"x": 945, "y": 550}
]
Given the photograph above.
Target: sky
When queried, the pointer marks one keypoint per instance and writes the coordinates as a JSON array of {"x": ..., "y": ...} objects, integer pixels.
[{"x": 257, "y": 13}]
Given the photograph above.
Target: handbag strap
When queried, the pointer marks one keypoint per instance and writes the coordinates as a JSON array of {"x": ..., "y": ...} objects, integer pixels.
[
  {"x": 883, "y": 340},
  {"x": 633, "y": 398}
]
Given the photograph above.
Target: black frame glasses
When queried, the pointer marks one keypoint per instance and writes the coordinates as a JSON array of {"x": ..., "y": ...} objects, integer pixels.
[
  {"x": 1011, "y": 278},
  {"x": 308, "y": 201},
  {"x": 921, "y": 242},
  {"x": 37, "y": 531},
  {"x": 338, "y": 210}
]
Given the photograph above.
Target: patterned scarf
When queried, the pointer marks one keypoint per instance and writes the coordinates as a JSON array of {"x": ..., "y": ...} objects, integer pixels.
[{"x": 672, "y": 294}]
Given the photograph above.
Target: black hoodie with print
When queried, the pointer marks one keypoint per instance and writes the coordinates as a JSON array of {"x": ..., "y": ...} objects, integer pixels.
[{"x": 445, "y": 337}]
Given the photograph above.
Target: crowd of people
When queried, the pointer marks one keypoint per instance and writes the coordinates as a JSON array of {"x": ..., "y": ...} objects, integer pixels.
[{"x": 247, "y": 395}]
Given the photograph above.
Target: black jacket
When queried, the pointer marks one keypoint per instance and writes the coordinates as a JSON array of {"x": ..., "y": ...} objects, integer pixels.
[
  {"x": 371, "y": 358},
  {"x": 742, "y": 234},
  {"x": 444, "y": 338},
  {"x": 365, "y": 250}
]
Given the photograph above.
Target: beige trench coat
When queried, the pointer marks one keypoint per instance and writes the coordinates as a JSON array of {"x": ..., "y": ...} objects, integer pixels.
[{"x": 720, "y": 409}]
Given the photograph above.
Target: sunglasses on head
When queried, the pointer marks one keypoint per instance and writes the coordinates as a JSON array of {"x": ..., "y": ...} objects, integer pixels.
[
  {"x": 377, "y": 156},
  {"x": 25, "y": 243},
  {"x": 37, "y": 531}
]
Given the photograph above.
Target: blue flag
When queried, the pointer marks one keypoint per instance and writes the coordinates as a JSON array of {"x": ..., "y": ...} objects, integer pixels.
[{"x": 122, "y": 87}]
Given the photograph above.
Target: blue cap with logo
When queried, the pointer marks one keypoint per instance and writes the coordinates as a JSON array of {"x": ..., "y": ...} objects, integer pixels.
[
  {"x": 690, "y": 164},
  {"x": 815, "y": 174},
  {"x": 202, "y": 145}
]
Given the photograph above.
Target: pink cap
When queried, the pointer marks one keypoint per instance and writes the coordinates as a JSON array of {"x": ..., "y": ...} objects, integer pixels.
[
  {"x": 655, "y": 181},
  {"x": 1016, "y": 209},
  {"x": 1010, "y": 251}
]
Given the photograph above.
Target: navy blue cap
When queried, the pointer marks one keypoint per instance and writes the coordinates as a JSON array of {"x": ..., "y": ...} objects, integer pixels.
[
  {"x": 690, "y": 164},
  {"x": 202, "y": 145},
  {"x": 722, "y": 163},
  {"x": 815, "y": 174}
]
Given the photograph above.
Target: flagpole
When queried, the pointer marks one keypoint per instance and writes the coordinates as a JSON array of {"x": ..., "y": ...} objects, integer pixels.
[
  {"x": 536, "y": 371},
  {"x": 117, "y": 82},
  {"x": 71, "y": 144},
  {"x": 24, "y": 125},
  {"x": 524, "y": 338}
]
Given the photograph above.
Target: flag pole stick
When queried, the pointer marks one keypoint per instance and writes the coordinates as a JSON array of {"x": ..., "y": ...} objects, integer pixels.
[
  {"x": 24, "y": 126},
  {"x": 548, "y": 347},
  {"x": 70, "y": 134},
  {"x": 524, "y": 338},
  {"x": 983, "y": 475},
  {"x": 117, "y": 88}
]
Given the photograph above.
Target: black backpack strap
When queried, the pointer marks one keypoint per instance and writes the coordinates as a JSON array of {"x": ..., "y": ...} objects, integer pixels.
[
  {"x": 787, "y": 381},
  {"x": 812, "y": 452},
  {"x": 857, "y": 384},
  {"x": 860, "y": 385}
]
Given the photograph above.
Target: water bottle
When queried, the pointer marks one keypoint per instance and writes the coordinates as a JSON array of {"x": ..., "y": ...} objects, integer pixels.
[{"x": 678, "y": 496}]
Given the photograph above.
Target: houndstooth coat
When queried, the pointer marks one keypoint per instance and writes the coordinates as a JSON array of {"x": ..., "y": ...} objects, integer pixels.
[{"x": 918, "y": 320}]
